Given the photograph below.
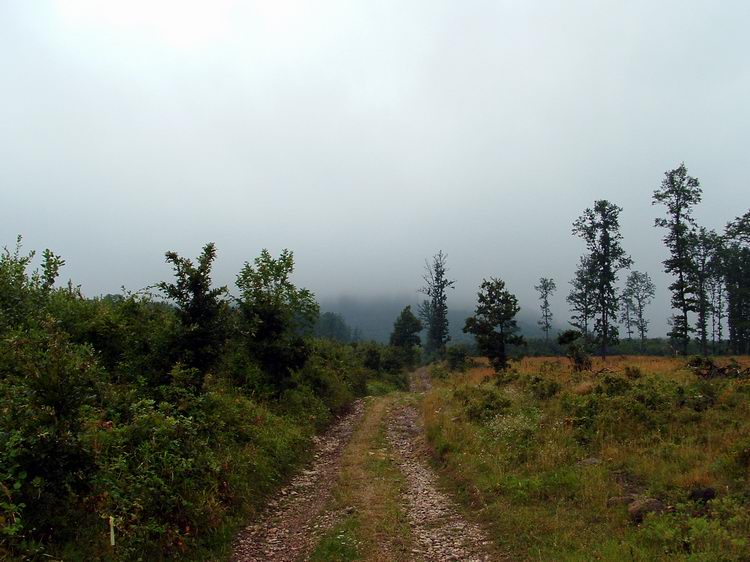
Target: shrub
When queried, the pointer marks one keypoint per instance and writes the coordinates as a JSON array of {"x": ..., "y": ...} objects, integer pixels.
[
  {"x": 517, "y": 432},
  {"x": 438, "y": 371},
  {"x": 632, "y": 372},
  {"x": 484, "y": 402},
  {"x": 540, "y": 387},
  {"x": 457, "y": 357}
]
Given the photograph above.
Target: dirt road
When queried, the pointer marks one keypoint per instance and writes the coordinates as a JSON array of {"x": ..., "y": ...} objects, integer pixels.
[{"x": 369, "y": 494}]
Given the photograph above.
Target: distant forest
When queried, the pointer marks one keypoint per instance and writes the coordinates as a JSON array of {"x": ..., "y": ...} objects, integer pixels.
[{"x": 710, "y": 292}]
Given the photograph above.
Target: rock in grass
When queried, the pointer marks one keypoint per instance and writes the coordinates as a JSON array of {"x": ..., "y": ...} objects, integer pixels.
[
  {"x": 638, "y": 509},
  {"x": 621, "y": 500},
  {"x": 702, "y": 494}
]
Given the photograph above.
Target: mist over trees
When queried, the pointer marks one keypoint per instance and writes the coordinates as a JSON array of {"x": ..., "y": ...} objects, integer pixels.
[
  {"x": 638, "y": 293},
  {"x": 736, "y": 267},
  {"x": 546, "y": 289},
  {"x": 332, "y": 326},
  {"x": 434, "y": 310},
  {"x": 581, "y": 296},
  {"x": 405, "y": 335}
]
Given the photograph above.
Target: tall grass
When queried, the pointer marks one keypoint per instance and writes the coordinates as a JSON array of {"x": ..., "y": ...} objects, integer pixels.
[{"x": 555, "y": 456}]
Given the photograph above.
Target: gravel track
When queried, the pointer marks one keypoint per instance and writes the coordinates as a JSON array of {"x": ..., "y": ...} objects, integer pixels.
[
  {"x": 292, "y": 524},
  {"x": 438, "y": 528}
]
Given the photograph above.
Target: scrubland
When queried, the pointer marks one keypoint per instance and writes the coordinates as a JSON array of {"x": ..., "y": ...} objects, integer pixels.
[{"x": 641, "y": 458}]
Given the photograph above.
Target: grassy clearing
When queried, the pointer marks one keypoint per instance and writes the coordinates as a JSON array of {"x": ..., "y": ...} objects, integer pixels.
[
  {"x": 550, "y": 458},
  {"x": 369, "y": 488}
]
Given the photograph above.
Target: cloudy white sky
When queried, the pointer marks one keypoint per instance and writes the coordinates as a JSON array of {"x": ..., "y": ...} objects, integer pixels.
[{"x": 364, "y": 136}]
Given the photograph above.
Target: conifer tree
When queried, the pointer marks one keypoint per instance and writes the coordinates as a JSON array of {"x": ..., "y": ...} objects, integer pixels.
[{"x": 493, "y": 324}]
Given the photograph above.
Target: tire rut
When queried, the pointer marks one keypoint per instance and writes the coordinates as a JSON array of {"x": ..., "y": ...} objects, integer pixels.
[
  {"x": 438, "y": 528},
  {"x": 291, "y": 524}
]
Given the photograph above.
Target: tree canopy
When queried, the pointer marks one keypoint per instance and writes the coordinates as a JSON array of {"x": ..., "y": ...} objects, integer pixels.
[{"x": 493, "y": 323}]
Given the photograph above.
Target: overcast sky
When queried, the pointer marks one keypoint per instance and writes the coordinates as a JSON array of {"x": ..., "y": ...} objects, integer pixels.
[{"x": 364, "y": 136}]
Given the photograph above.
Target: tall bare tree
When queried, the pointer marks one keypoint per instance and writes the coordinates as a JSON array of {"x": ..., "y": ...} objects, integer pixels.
[
  {"x": 546, "y": 289},
  {"x": 434, "y": 310},
  {"x": 638, "y": 293}
]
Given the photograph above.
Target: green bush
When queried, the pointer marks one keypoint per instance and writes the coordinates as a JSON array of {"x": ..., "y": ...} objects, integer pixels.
[
  {"x": 484, "y": 402},
  {"x": 540, "y": 387},
  {"x": 438, "y": 371},
  {"x": 618, "y": 408},
  {"x": 45, "y": 381},
  {"x": 457, "y": 357}
]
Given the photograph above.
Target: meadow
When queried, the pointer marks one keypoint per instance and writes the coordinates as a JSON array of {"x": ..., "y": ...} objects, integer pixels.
[{"x": 640, "y": 458}]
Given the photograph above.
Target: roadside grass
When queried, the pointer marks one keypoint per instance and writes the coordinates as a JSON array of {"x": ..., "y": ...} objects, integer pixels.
[
  {"x": 549, "y": 459},
  {"x": 369, "y": 490},
  {"x": 340, "y": 544}
]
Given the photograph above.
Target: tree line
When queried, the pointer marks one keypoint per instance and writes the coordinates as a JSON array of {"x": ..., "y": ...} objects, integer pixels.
[{"x": 710, "y": 287}]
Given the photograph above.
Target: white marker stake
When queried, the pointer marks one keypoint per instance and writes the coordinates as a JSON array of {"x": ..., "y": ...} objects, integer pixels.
[{"x": 111, "y": 530}]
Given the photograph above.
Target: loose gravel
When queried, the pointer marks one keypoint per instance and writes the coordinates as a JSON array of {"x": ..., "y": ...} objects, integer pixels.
[
  {"x": 440, "y": 531},
  {"x": 293, "y": 523}
]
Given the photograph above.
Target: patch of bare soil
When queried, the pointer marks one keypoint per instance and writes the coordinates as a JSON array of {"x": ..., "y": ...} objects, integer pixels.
[
  {"x": 292, "y": 523},
  {"x": 439, "y": 530},
  {"x": 420, "y": 380}
]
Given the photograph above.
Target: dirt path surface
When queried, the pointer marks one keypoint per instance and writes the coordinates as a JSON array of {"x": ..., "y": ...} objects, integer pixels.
[
  {"x": 289, "y": 528},
  {"x": 438, "y": 528},
  {"x": 420, "y": 380},
  {"x": 371, "y": 470}
]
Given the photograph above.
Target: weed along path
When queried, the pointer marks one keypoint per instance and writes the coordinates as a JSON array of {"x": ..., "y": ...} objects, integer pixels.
[{"x": 369, "y": 495}]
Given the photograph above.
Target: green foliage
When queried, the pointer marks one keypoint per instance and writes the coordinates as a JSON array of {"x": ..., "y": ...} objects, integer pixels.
[
  {"x": 45, "y": 382},
  {"x": 166, "y": 418},
  {"x": 333, "y": 326},
  {"x": 581, "y": 296},
  {"x": 24, "y": 295},
  {"x": 438, "y": 371},
  {"x": 719, "y": 534},
  {"x": 200, "y": 308},
  {"x": 493, "y": 324},
  {"x": 638, "y": 293},
  {"x": 575, "y": 343},
  {"x": 734, "y": 265},
  {"x": 405, "y": 336},
  {"x": 540, "y": 387},
  {"x": 484, "y": 402},
  {"x": 457, "y": 357},
  {"x": 276, "y": 315}
]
